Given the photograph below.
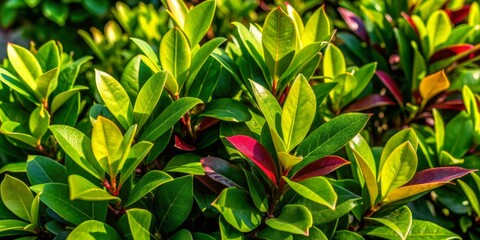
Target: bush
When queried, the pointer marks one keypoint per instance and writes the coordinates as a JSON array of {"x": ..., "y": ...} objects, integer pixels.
[{"x": 301, "y": 125}]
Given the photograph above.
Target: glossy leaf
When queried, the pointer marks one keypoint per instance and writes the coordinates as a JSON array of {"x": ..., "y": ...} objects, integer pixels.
[
  {"x": 78, "y": 147},
  {"x": 355, "y": 24},
  {"x": 439, "y": 28},
  {"x": 39, "y": 122},
  {"x": 17, "y": 85},
  {"x": 294, "y": 218},
  {"x": 288, "y": 160},
  {"x": 136, "y": 224},
  {"x": 146, "y": 184},
  {"x": 137, "y": 153},
  {"x": 174, "y": 201},
  {"x": 439, "y": 130},
  {"x": 257, "y": 192},
  {"x": 168, "y": 118},
  {"x": 106, "y": 141},
  {"x": 368, "y": 102},
  {"x": 229, "y": 232},
  {"x": 227, "y": 109},
  {"x": 320, "y": 167},
  {"x": 198, "y": 20},
  {"x": 329, "y": 138},
  {"x": 257, "y": 153},
  {"x": 63, "y": 97},
  {"x": 471, "y": 196},
  {"x": 48, "y": 56},
  {"x": 391, "y": 85},
  {"x": 298, "y": 112},
  {"x": 364, "y": 76},
  {"x": 396, "y": 224},
  {"x": 429, "y": 231},
  {"x": 185, "y": 163},
  {"x": 406, "y": 135},
  {"x": 47, "y": 83},
  {"x": 347, "y": 235},
  {"x": 369, "y": 174},
  {"x": 333, "y": 62},
  {"x": 316, "y": 189},
  {"x": 11, "y": 225},
  {"x": 17, "y": 197},
  {"x": 432, "y": 85},
  {"x": 175, "y": 55},
  {"x": 279, "y": 42},
  {"x": 459, "y": 137},
  {"x": 268, "y": 105},
  {"x": 426, "y": 180},
  {"x": 399, "y": 168},
  {"x": 223, "y": 172},
  {"x": 56, "y": 197},
  {"x": 42, "y": 169},
  {"x": 25, "y": 64},
  {"x": 235, "y": 207},
  {"x": 471, "y": 106},
  {"x": 91, "y": 230},
  {"x": 317, "y": 28},
  {"x": 82, "y": 189},
  {"x": 178, "y": 10},
  {"x": 148, "y": 97},
  {"x": 147, "y": 50},
  {"x": 450, "y": 51},
  {"x": 115, "y": 98},
  {"x": 15, "y": 131}
]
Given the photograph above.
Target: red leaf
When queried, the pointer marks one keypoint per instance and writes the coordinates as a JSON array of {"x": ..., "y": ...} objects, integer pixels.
[
  {"x": 410, "y": 21},
  {"x": 320, "y": 167},
  {"x": 459, "y": 15},
  {"x": 450, "y": 52},
  {"x": 253, "y": 150},
  {"x": 354, "y": 23},
  {"x": 182, "y": 145},
  {"x": 440, "y": 174},
  {"x": 370, "y": 101},
  {"x": 455, "y": 104},
  {"x": 390, "y": 84},
  {"x": 206, "y": 123}
]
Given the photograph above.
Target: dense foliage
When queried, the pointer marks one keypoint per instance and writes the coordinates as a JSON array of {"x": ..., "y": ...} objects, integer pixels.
[{"x": 242, "y": 120}]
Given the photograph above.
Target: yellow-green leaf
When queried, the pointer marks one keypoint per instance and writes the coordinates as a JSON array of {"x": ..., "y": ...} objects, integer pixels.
[
  {"x": 17, "y": 197},
  {"x": 106, "y": 141},
  {"x": 287, "y": 160},
  {"x": 25, "y": 64},
  {"x": 369, "y": 177}
]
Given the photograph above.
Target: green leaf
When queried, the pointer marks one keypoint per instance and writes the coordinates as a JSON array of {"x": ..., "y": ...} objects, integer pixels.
[
  {"x": 82, "y": 189},
  {"x": 42, "y": 169},
  {"x": 56, "y": 197},
  {"x": 181, "y": 235},
  {"x": 399, "y": 168},
  {"x": 56, "y": 12},
  {"x": 25, "y": 64},
  {"x": 329, "y": 138},
  {"x": 63, "y": 97},
  {"x": 439, "y": 130},
  {"x": 138, "y": 221},
  {"x": 316, "y": 189},
  {"x": 175, "y": 55},
  {"x": 106, "y": 145},
  {"x": 229, "y": 232},
  {"x": 406, "y": 135},
  {"x": 368, "y": 174},
  {"x": 317, "y": 28},
  {"x": 459, "y": 135},
  {"x": 17, "y": 85},
  {"x": 439, "y": 28},
  {"x": 11, "y": 225},
  {"x": 178, "y": 10},
  {"x": 472, "y": 109},
  {"x": 168, "y": 118},
  {"x": 268, "y": 105},
  {"x": 257, "y": 191},
  {"x": 78, "y": 147},
  {"x": 471, "y": 196},
  {"x": 47, "y": 83},
  {"x": 147, "y": 50},
  {"x": 333, "y": 62},
  {"x": 17, "y": 197},
  {"x": 298, "y": 112},
  {"x": 15, "y": 131},
  {"x": 137, "y": 153},
  {"x": 69, "y": 74},
  {"x": 13, "y": 167},
  {"x": 115, "y": 98},
  {"x": 474, "y": 15},
  {"x": 347, "y": 235},
  {"x": 425, "y": 230},
  {"x": 198, "y": 21},
  {"x": 294, "y": 219},
  {"x": 364, "y": 76},
  {"x": 91, "y": 230},
  {"x": 396, "y": 224},
  {"x": 279, "y": 42},
  {"x": 35, "y": 210},
  {"x": 227, "y": 109},
  {"x": 39, "y": 122},
  {"x": 174, "y": 201},
  {"x": 148, "y": 97},
  {"x": 236, "y": 208},
  {"x": 185, "y": 163},
  {"x": 48, "y": 56},
  {"x": 147, "y": 183}
]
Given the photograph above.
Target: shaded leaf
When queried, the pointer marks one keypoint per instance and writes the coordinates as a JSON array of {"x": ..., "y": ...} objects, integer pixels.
[
  {"x": 146, "y": 184},
  {"x": 91, "y": 230}
]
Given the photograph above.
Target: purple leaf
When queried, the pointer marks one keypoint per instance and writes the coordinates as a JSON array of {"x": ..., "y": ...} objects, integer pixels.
[
  {"x": 440, "y": 174},
  {"x": 450, "y": 52},
  {"x": 459, "y": 15},
  {"x": 182, "y": 145},
  {"x": 206, "y": 123},
  {"x": 391, "y": 85},
  {"x": 455, "y": 104},
  {"x": 370, "y": 101},
  {"x": 223, "y": 171},
  {"x": 355, "y": 24},
  {"x": 410, "y": 21},
  {"x": 213, "y": 185},
  {"x": 320, "y": 167},
  {"x": 253, "y": 150}
]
